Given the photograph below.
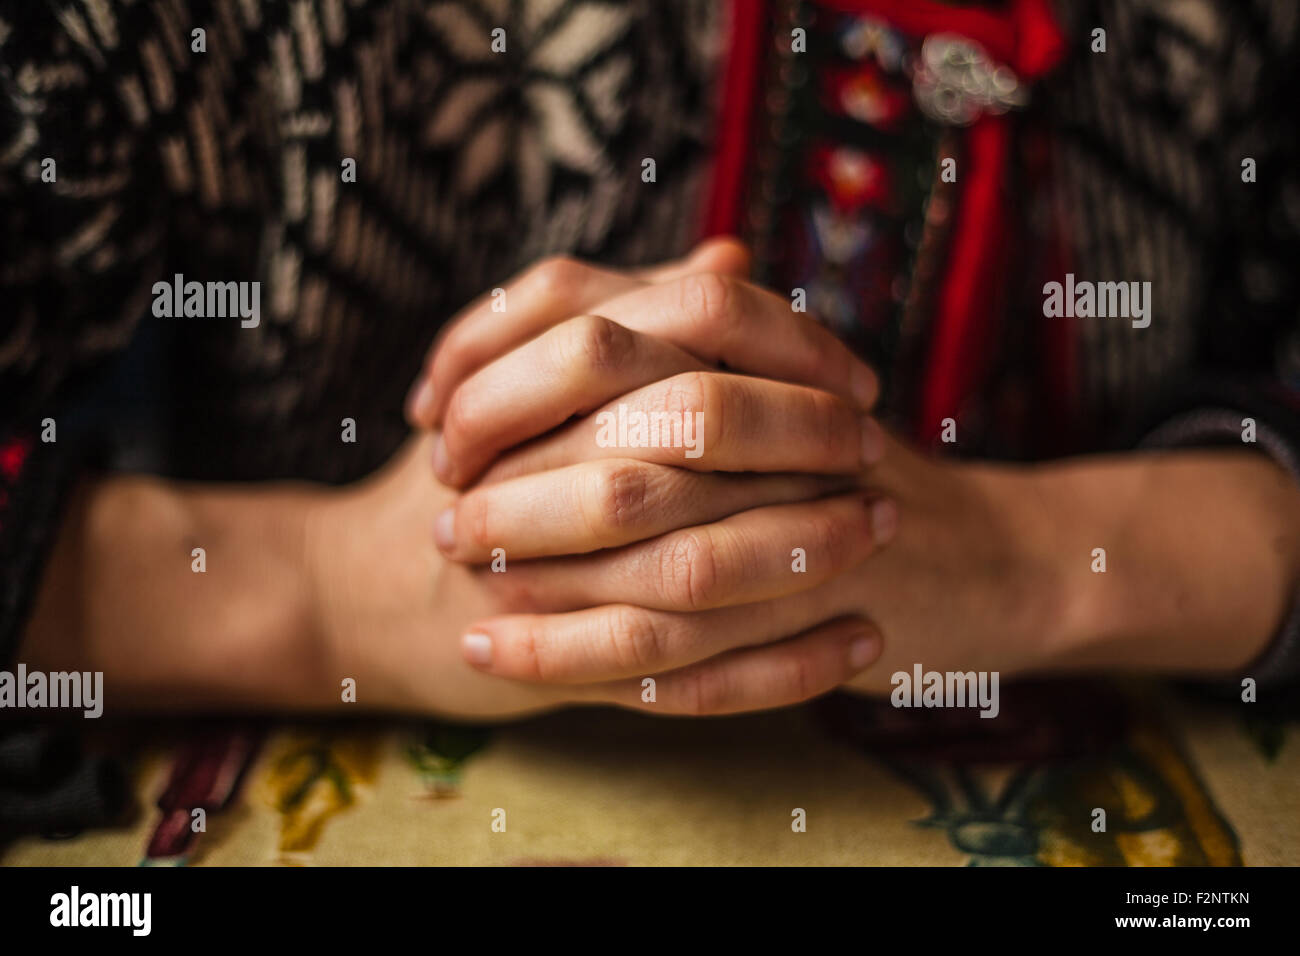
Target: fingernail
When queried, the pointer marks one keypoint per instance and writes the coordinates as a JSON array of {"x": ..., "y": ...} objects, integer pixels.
[
  {"x": 884, "y": 520},
  {"x": 477, "y": 649},
  {"x": 863, "y": 383},
  {"x": 873, "y": 441},
  {"x": 441, "y": 460},
  {"x": 420, "y": 400},
  {"x": 863, "y": 650},
  {"x": 444, "y": 529}
]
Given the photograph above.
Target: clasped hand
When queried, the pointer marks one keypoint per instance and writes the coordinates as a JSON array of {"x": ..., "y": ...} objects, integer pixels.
[{"x": 803, "y": 550}]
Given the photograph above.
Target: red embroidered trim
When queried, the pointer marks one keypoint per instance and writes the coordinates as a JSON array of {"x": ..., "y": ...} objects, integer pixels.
[
  {"x": 968, "y": 304},
  {"x": 748, "y": 22}
]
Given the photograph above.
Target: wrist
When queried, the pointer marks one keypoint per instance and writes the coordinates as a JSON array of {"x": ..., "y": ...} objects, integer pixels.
[
  {"x": 1063, "y": 540},
  {"x": 265, "y": 636},
  {"x": 184, "y": 596},
  {"x": 1181, "y": 562},
  {"x": 1037, "y": 542},
  {"x": 331, "y": 540}
]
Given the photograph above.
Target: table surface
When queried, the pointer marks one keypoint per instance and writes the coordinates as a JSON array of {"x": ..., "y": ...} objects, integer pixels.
[{"x": 1182, "y": 781}]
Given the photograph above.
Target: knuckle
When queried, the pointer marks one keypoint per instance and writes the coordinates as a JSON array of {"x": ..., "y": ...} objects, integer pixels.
[
  {"x": 831, "y": 538},
  {"x": 554, "y": 276},
  {"x": 688, "y": 393},
  {"x": 706, "y": 299},
  {"x": 531, "y": 653},
  {"x": 689, "y": 570},
  {"x": 621, "y": 496},
  {"x": 458, "y": 423},
  {"x": 602, "y": 344},
  {"x": 636, "y": 644},
  {"x": 443, "y": 358},
  {"x": 702, "y": 691},
  {"x": 472, "y": 515},
  {"x": 700, "y": 397},
  {"x": 828, "y": 421},
  {"x": 799, "y": 678}
]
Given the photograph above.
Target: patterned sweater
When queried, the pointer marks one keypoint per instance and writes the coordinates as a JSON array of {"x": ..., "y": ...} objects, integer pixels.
[{"x": 142, "y": 139}]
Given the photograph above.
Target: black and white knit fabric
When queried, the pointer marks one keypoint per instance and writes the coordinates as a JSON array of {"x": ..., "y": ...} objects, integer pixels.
[
  {"x": 226, "y": 165},
  {"x": 1150, "y": 140}
]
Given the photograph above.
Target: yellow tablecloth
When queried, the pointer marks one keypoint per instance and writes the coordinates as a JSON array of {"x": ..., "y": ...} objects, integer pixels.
[{"x": 1181, "y": 780}]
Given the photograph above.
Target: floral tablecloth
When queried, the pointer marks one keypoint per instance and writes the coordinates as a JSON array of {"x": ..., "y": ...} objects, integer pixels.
[{"x": 1182, "y": 780}]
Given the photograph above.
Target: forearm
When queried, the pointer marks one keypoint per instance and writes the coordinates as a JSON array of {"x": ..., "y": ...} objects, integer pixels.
[
  {"x": 1202, "y": 559},
  {"x": 122, "y": 594}
]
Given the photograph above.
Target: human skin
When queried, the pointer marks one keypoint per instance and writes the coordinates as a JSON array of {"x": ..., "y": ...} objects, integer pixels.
[
  {"x": 992, "y": 566},
  {"x": 953, "y": 565},
  {"x": 305, "y": 587}
]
